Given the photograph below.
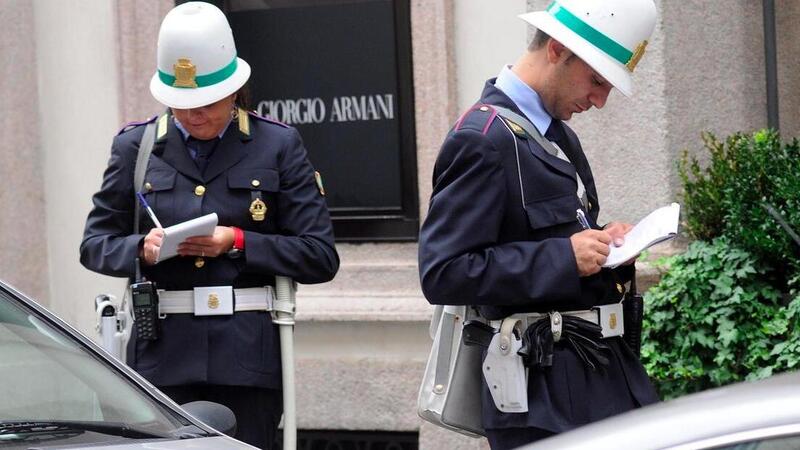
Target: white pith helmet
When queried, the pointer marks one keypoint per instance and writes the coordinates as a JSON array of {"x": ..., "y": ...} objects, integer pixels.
[
  {"x": 197, "y": 62},
  {"x": 609, "y": 35}
]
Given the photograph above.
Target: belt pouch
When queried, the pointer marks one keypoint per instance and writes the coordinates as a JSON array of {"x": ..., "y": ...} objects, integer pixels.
[{"x": 213, "y": 301}]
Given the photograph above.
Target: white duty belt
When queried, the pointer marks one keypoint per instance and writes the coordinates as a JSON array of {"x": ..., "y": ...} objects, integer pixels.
[
  {"x": 247, "y": 299},
  {"x": 609, "y": 317}
]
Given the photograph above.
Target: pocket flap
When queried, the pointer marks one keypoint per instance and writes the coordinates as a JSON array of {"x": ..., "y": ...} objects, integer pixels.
[
  {"x": 159, "y": 179},
  {"x": 254, "y": 179},
  {"x": 553, "y": 211}
]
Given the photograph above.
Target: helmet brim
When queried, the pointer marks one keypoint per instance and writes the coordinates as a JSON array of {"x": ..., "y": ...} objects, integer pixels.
[
  {"x": 188, "y": 98},
  {"x": 612, "y": 70}
]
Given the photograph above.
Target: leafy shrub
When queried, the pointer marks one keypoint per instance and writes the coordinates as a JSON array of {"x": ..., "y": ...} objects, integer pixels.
[
  {"x": 730, "y": 197},
  {"x": 715, "y": 318}
]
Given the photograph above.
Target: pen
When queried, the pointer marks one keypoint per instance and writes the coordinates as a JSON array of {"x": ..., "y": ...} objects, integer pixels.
[
  {"x": 582, "y": 219},
  {"x": 149, "y": 210}
]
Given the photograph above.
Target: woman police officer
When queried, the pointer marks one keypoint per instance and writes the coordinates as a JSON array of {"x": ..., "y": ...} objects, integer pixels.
[{"x": 211, "y": 156}]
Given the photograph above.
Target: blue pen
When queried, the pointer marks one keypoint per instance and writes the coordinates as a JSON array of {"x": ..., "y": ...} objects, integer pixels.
[
  {"x": 582, "y": 220},
  {"x": 149, "y": 210}
]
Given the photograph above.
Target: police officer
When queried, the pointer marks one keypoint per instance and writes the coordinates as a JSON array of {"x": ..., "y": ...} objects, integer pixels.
[
  {"x": 502, "y": 230},
  {"x": 212, "y": 156}
]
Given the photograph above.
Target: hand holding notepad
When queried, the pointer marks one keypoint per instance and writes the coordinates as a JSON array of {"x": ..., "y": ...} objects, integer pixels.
[
  {"x": 174, "y": 235},
  {"x": 658, "y": 226}
]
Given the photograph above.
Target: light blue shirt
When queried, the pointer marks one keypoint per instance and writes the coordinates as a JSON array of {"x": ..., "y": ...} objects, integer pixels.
[
  {"x": 525, "y": 98},
  {"x": 185, "y": 134}
]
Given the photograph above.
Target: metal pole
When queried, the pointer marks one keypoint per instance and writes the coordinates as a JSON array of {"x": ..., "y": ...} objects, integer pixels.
[
  {"x": 284, "y": 318},
  {"x": 771, "y": 64}
]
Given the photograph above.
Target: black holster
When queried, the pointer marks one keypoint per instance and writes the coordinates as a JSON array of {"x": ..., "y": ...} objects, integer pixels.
[{"x": 633, "y": 315}]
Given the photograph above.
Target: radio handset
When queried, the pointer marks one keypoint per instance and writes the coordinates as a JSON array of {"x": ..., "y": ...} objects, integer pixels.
[{"x": 145, "y": 308}]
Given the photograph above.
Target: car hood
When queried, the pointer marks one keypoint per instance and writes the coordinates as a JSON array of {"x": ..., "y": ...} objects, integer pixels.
[
  {"x": 209, "y": 443},
  {"x": 732, "y": 409}
]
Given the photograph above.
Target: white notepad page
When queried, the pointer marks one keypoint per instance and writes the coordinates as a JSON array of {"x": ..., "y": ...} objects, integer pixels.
[
  {"x": 174, "y": 235},
  {"x": 660, "y": 225}
]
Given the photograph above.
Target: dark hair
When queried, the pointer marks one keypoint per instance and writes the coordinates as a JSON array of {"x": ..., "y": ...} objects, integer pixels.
[
  {"x": 538, "y": 41},
  {"x": 243, "y": 97}
]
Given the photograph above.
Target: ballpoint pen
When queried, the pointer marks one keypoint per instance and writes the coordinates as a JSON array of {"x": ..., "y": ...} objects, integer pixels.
[
  {"x": 149, "y": 210},
  {"x": 582, "y": 219}
]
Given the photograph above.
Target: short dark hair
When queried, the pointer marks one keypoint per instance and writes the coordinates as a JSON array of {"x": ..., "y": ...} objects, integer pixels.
[{"x": 538, "y": 41}]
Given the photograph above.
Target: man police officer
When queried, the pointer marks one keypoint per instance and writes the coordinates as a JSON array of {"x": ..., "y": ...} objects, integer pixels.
[{"x": 501, "y": 231}]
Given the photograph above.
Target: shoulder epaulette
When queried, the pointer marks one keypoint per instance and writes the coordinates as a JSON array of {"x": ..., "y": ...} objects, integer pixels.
[
  {"x": 479, "y": 118},
  {"x": 163, "y": 125},
  {"x": 267, "y": 119},
  {"x": 133, "y": 125}
]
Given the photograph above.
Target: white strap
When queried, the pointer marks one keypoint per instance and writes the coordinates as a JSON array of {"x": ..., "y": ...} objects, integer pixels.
[
  {"x": 581, "y": 188},
  {"x": 248, "y": 299},
  {"x": 548, "y": 145},
  {"x": 589, "y": 315}
]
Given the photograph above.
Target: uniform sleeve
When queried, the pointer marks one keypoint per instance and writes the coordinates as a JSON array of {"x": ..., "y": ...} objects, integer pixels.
[
  {"x": 461, "y": 258},
  {"x": 109, "y": 245},
  {"x": 304, "y": 248}
]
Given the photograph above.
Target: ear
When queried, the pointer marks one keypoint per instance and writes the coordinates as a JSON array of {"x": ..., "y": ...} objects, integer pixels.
[{"x": 557, "y": 51}]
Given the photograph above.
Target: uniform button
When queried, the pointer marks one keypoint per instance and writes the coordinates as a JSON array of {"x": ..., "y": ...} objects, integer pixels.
[
  {"x": 148, "y": 187},
  {"x": 200, "y": 190},
  {"x": 199, "y": 262},
  {"x": 255, "y": 183},
  {"x": 484, "y": 108},
  {"x": 620, "y": 288}
]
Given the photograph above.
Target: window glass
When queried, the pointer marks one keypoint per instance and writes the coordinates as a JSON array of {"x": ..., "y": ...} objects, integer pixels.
[{"x": 47, "y": 375}]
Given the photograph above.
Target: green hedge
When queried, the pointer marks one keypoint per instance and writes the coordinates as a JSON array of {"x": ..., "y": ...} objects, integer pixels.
[
  {"x": 729, "y": 197},
  {"x": 727, "y": 310}
]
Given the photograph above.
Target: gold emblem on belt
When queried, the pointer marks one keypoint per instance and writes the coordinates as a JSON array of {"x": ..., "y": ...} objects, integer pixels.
[{"x": 213, "y": 301}]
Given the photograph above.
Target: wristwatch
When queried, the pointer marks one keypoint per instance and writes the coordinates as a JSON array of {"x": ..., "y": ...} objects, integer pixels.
[{"x": 235, "y": 253}]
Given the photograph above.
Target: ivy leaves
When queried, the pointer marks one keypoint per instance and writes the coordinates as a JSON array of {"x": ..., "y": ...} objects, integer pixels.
[
  {"x": 716, "y": 318},
  {"x": 728, "y": 309}
]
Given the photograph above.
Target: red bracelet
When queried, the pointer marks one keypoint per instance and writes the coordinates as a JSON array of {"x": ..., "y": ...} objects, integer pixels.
[{"x": 238, "y": 238}]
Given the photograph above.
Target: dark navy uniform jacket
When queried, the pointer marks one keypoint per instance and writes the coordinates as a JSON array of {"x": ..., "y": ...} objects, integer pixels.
[
  {"x": 294, "y": 240},
  {"x": 481, "y": 245}
]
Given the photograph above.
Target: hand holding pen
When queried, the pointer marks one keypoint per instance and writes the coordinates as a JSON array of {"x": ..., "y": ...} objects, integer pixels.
[
  {"x": 589, "y": 246},
  {"x": 151, "y": 245}
]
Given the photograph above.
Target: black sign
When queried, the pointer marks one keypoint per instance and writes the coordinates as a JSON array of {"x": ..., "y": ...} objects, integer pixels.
[{"x": 340, "y": 72}]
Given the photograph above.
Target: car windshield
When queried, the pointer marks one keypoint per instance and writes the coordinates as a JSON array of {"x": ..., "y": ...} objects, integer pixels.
[{"x": 50, "y": 376}]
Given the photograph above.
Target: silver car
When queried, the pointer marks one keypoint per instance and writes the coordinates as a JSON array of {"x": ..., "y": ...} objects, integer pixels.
[
  {"x": 60, "y": 390},
  {"x": 754, "y": 415}
]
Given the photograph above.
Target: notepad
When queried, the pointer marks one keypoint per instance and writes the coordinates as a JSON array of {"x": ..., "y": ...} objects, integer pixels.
[
  {"x": 658, "y": 226},
  {"x": 174, "y": 235}
]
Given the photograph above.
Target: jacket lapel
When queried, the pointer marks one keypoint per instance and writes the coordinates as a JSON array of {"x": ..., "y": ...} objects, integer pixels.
[
  {"x": 553, "y": 161},
  {"x": 176, "y": 154},
  {"x": 493, "y": 96},
  {"x": 230, "y": 151}
]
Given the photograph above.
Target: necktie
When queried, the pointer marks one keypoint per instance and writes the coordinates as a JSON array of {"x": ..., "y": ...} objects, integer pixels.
[
  {"x": 203, "y": 150},
  {"x": 555, "y": 132}
]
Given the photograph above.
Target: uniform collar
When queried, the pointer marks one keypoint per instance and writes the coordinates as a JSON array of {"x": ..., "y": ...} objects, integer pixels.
[
  {"x": 185, "y": 133},
  {"x": 526, "y": 99}
]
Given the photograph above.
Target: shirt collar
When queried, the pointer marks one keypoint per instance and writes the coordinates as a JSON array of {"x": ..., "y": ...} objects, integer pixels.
[
  {"x": 525, "y": 98},
  {"x": 185, "y": 133}
]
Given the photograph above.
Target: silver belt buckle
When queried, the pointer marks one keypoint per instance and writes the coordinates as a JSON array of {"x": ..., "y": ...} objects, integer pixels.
[
  {"x": 556, "y": 324},
  {"x": 213, "y": 301}
]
